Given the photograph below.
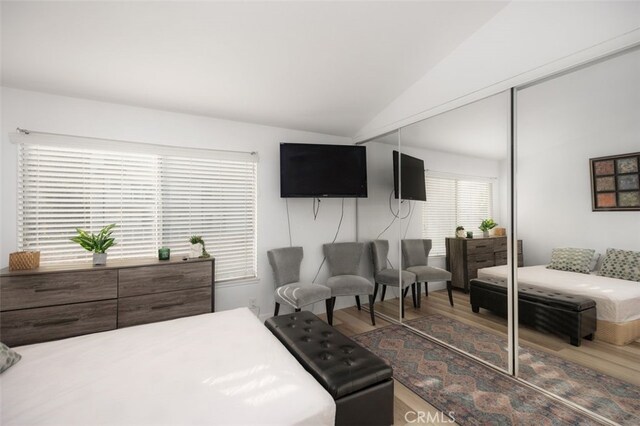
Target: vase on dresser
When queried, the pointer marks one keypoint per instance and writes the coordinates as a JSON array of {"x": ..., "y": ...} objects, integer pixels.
[{"x": 99, "y": 259}]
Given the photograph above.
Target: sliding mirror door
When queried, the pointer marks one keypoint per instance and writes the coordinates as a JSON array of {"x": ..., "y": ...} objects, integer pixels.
[
  {"x": 455, "y": 178},
  {"x": 378, "y": 221},
  {"x": 578, "y": 213}
]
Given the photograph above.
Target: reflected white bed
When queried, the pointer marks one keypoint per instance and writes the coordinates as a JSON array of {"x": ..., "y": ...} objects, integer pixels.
[
  {"x": 221, "y": 368},
  {"x": 617, "y": 301}
]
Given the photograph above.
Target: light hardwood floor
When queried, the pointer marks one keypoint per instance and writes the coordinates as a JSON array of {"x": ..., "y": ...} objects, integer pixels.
[{"x": 622, "y": 362}]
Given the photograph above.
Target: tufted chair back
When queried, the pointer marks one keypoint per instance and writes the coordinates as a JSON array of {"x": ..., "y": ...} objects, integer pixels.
[
  {"x": 285, "y": 263},
  {"x": 379, "y": 253},
  {"x": 343, "y": 258},
  {"x": 415, "y": 253}
]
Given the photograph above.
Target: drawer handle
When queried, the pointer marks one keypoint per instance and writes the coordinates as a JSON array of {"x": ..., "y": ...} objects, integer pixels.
[
  {"x": 56, "y": 322},
  {"x": 167, "y": 306},
  {"x": 71, "y": 287},
  {"x": 169, "y": 278}
]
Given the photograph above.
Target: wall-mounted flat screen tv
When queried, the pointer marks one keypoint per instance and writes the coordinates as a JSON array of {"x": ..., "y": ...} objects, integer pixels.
[
  {"x": 311, "y": 170},
  {"x": 412, "y": 177}
]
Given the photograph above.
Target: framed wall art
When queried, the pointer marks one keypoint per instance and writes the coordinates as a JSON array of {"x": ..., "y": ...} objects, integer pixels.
[{"x": 615, "y": 182}]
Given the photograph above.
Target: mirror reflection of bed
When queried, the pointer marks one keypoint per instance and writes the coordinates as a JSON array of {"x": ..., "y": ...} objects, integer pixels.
[
  {"x": 579, "y": 332},
  {"x": 571, "y": 249}
]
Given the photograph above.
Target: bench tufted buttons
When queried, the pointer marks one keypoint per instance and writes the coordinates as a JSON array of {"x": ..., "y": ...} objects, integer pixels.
[
  {"x": 349, "y": 362},
  {"x": 306, "y": 339},
  {"x": 308, "y": 321},
  {"x": 326, "y": 356},
  {"x": 326, "y": 334},
  {"x": 347, "y": 349},
  {"x": 325, "y": 344},
  {"x": 307, "y": 329},
  {"x": 292, "y": 325}
]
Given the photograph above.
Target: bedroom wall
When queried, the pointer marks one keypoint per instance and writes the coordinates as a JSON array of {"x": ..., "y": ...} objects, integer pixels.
[
  {"x": 58, "y": 114},
  {"x": 562, "y": 123}
]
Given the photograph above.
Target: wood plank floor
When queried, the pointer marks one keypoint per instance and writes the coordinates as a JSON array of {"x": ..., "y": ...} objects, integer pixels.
[{"x": 622, "y": 362}]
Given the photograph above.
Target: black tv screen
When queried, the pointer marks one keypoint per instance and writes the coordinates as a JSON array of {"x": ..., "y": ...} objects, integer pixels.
[
  {"x": 310, "y": 170},
  {"x": 412, "y": 177}
]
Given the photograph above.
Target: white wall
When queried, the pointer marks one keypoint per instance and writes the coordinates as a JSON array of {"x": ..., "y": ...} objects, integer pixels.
[
  {"x": 57, "y": 114},
  {"x": 563, "y": 122}
]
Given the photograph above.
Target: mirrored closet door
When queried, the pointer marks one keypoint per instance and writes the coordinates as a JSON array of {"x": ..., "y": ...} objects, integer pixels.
[
  {"x": 455, "y": 180},
  {"x": 379, "y": 224},
  {"x": 578, "y": 213}
]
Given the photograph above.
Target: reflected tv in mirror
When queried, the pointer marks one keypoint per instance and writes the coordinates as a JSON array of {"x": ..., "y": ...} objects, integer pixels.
[
  {"x": 312, "y": 170},
  {"x": 412, "y": 177}
]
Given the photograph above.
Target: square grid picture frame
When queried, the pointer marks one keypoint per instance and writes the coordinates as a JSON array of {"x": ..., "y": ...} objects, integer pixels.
[{"x": 615, "y": 182}]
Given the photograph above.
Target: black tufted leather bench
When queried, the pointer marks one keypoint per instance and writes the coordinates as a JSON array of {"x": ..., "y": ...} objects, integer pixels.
[
  {"x": 360, "y": 382},
  {"x": 545, "y": 310}
]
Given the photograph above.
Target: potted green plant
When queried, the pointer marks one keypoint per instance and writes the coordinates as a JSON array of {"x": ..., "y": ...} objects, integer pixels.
[
  {"x": 460, "y": 232},
  {"x": 486, "y": 225},
  {"x": 197, "y": 247},
  {"x": 97, "y": 243}
]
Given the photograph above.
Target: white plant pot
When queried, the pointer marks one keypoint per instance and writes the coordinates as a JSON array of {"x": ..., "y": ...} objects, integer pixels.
[
  {"x": 99, "y": 259},
  {"x": 195, "y": 251},
  {"x": 485, "y": 234}
]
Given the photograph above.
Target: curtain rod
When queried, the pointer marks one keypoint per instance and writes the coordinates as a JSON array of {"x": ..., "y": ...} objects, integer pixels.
[{"x": 28, "y": 132}]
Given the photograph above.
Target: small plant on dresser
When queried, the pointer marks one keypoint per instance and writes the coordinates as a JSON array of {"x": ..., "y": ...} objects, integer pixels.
[{"x": 98, "y": 243}]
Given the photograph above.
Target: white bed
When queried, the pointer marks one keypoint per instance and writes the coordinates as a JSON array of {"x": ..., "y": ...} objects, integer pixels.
[
  {"x": 221, "y": 368},
  {"x": 617, "y": 301}
]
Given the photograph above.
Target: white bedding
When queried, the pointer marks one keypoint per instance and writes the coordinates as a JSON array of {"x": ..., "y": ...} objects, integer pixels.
[
  {"x": 616, "y": 300},
  {"x": 221, "y": 368}
]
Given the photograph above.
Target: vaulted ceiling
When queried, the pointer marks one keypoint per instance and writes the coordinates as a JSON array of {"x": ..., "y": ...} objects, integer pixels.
[{"x": 327, "y": 67}]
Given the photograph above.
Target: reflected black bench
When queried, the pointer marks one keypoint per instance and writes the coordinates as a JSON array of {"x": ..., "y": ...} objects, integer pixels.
[
  {"x": 359, "y": 381},
  {"x": 545, "y": 310}
]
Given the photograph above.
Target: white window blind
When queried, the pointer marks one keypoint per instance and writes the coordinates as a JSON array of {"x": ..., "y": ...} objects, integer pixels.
[
  {"x": 155, "y": 199},
  {"x": 453, "y": 202}
]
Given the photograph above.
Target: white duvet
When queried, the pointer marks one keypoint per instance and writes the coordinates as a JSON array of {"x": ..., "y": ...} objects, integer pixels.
[
  {"x": 213, "y": 369},
  {"x": 616, "y": 300}
]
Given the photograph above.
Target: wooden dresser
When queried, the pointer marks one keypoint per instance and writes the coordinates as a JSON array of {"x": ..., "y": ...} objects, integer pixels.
[
  {"x": 54, "y": 302},
  {"x": 466, "y": 256}
]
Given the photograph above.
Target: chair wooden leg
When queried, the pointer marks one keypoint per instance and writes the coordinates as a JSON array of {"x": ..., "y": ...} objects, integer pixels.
[
  {"x": 384, "y": 291},
  {"x": 413, "y": 295},
  {"x": 426, "y": 289},
  {"x": 297, "y": 309},
  {"x": 419, "y": 293},
  {"x": 275, "y": 312},
  {"x": 358, "y": 303},
  {"x": 404, "y": 293},
  {"x": 450, "y": 291},
  {"x": 329, "y": 305},
  {"x": 375, "y": 291},
  {"x": 372, "y": 300}
]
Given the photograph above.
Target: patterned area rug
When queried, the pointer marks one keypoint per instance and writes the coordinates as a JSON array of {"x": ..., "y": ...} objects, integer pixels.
[
  {"x": 474, "y": 394},
  {"x": 602, "y": 394}
]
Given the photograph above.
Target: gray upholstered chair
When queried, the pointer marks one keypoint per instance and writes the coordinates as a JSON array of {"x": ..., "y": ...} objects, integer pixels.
[
  {"x": 390, "y": 277},
  {"x": 285, "y": 263},
  {"x": 415, "y": 258},
  {"x": 343, "y": 260}
]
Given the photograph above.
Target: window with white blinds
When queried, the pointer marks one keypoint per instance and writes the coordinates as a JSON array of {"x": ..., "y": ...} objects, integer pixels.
[
  {"x": 453, "y": 202},
  {"x": 154, "y": 199}
]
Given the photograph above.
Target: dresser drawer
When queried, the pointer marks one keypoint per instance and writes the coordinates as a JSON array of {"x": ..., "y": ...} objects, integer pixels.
[
  {"x": 484, "y": 245},
  {"x": 163, "y": 306},
  {"x": 500, "y": 244},
  {"x": 158, "y": 279},
  {"x": 35, "y": 325},
  {"x": 31, "y": 291}
]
